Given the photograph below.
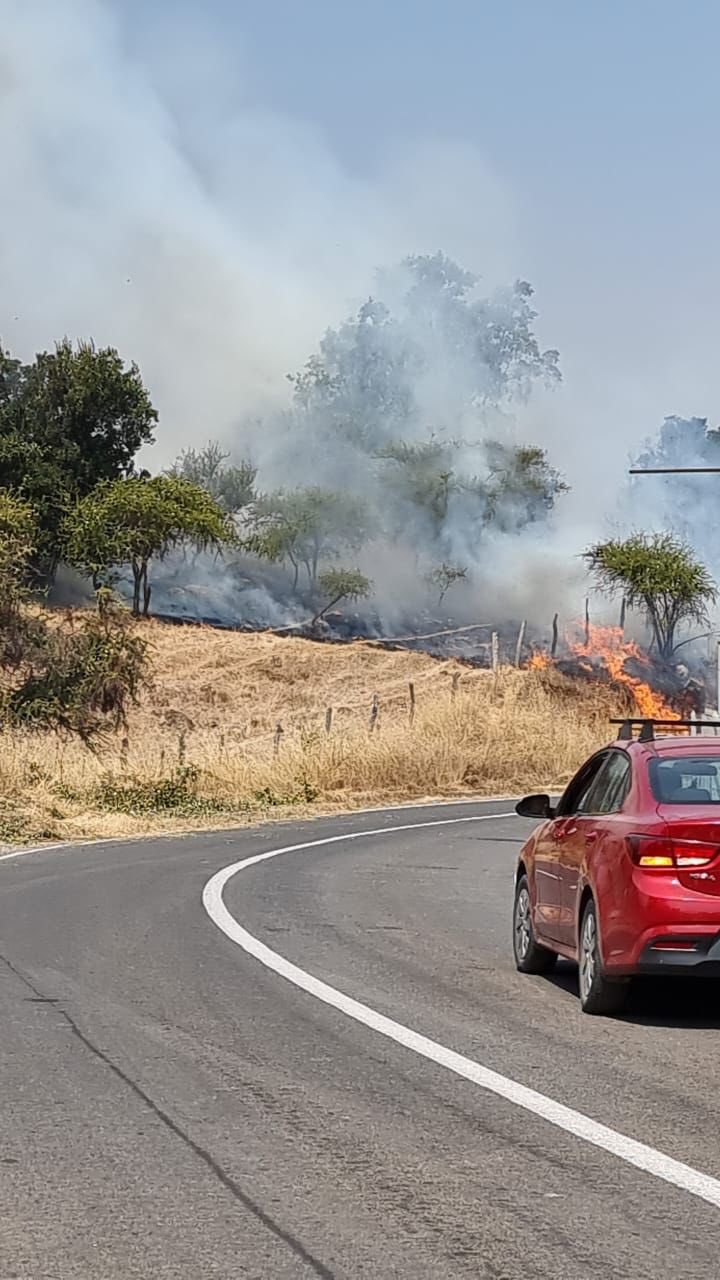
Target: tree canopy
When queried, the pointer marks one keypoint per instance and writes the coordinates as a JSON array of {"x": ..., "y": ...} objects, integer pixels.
[
  {"x": 430, "y": 338},
  {"x": 73, "y": 418},
  {"x": 683, "y": 503},
  {"x": 306, "y": 527},
  {"x": 659, "y": 575},
  {"x": 409, "y": 397},
  {"x": 336, "y": 585},
  {"x": 136, "y": 520},
  {"x": 232, "y": 485},
  {"x": 78, "y": 681}
]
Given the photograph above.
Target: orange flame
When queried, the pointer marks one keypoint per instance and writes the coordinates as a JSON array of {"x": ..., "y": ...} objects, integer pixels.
[{"x": 608, "y": 643}]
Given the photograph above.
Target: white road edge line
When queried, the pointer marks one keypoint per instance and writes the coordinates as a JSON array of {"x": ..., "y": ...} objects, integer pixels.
[
  {"x": 574, "y": 1122},
  {"x": 90, "y": 841}
]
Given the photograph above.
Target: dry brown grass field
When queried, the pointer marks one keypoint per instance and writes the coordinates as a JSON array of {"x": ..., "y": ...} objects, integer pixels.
[{"x": 204, "y": 747}]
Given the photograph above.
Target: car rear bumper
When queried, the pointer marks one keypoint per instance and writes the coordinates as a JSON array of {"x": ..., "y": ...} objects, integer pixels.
[
  {"x": 695, "y": 955},
  {"x": 677, "y": 930}
]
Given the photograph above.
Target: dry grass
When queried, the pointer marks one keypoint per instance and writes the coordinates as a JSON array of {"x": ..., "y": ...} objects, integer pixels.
[{"x": 202, "y": 750}]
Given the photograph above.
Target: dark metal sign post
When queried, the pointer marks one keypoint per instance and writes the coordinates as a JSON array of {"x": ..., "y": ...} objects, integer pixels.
[{"x": 674, "y": 471}]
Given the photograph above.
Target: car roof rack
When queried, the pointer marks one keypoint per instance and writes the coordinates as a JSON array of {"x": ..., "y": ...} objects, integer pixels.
[{"x": 647, "y": 727}]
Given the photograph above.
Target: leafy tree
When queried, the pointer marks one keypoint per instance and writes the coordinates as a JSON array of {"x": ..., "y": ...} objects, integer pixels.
[
  {"x": 422, "y": 476},
  {"x": 78, "y": 681},
  {"x": 70, "y": 420},
  {"x": 445, "y": 576},
  {"x": 684, "y": 503},
  {"x": 659, "y": 575},
  {"x": 27, "y": 469},
  {"x": 233, "y": 487},
  {"x": 682, "y": 442},
  {"x": 136, "y": 520},
  {"x": 521, "y": 486},
  {"x": 10, "y": 375},
  {"x": 360, "y": 384},
  {"x": 82, "y": 679},
  {"x": 341, "y": 584},
  {"x": 306, "y": 526},
  {"x": 18, "y": 533},
  {"x": 371, "y": 377},
  {"x": 427, "y": 349}
]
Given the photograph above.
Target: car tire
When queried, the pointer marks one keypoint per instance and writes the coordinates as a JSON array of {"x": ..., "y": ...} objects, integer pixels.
[
  {"x": 530, "y": 956},
  {"x": 598, "y": 994}
]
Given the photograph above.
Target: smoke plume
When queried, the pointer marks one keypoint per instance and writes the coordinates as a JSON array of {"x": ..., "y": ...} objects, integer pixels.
[{"x": 155, "y": 201}]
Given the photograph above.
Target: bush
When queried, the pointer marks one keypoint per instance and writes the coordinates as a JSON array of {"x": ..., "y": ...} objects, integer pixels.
[
  {"x": 79, "y": 681},
  {"x": 175, "y": 794}
]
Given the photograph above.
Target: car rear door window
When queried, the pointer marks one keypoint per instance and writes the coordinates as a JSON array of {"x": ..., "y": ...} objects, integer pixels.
[
  {"x": 609, "y": 786},
  {"x": 575, "y": 795}
]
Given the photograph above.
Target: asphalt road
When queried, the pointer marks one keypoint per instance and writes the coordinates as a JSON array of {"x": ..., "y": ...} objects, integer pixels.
[{"x": 170, "y": 1108}]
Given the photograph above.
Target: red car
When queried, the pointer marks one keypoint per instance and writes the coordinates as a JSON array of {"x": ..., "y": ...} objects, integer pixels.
[{"x": 623, "y": 874}]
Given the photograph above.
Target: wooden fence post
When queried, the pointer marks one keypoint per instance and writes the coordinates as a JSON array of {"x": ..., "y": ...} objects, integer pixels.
[
  {"x": 375, "y": 711},
  {"x": 279, "y": 731},
  {"x": 494, "y": 650},
  {"x": 587, "y": 621},
  {"x": 623, "y": 610},
  {"x": 328, "y": 719},
  {"x": 411, "y": 688},
  {"x": 519, "y": 645},
  {"x": 554, "y": 645}
]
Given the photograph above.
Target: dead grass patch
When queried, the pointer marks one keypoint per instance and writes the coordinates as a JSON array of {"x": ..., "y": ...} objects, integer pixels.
[{"x": 203, "y": 749}]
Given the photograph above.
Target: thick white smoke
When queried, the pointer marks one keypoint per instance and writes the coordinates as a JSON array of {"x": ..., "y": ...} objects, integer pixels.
[
  {"x": 152, "y": 200},
  {"x": 155, "y": 200}
]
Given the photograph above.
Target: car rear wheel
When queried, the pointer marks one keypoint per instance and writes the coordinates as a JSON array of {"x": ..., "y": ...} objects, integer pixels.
[
  {"x": 598, "y": 994},
  {"x": 530, "y": 956}
]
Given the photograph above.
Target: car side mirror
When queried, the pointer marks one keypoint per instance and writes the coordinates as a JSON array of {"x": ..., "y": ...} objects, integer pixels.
[{"x": 535, "y": 807}]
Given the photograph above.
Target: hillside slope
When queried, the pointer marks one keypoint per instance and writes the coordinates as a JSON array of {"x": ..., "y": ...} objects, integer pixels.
[{"x": 237, "y": 727}]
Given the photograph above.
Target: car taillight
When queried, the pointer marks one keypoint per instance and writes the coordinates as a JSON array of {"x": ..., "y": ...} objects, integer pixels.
[{"x": 662, "y": 853}]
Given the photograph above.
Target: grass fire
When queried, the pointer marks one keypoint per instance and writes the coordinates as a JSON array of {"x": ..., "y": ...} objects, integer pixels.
[{"x": 603, "y": 655}]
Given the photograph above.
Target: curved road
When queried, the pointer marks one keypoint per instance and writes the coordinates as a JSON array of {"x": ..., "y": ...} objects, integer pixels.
[{"x": 170, "y": 1107}]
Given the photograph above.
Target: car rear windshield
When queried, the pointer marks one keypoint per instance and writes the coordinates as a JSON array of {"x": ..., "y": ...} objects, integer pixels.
[{"x": 686, "y": 779}]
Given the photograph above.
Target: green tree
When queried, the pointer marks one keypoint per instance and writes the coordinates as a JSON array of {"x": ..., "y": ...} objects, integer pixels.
[
  {"x": 232, "y": 486},
  {"x": 518, "y": 488},
  {"x": 82, "y": 678},
  {"x": 28, "y": 469},
  {"x": 421, "y": 476},
  {"x": 341, "y": 584},
  {"x": 136, "y": 520},
  {"x": 18, "y": 530},
  {"x": 307, "y": 526},
  {"x": 77, "y": 679},
  {"x": 521, "y": 487},
  {"x": 73, "y": 418},
  {"x": 657, "y": 574},
  {"x": 444, "y": 576},
  {"x": 18, "y": 533},
  {"x": 429, "y": 327}
]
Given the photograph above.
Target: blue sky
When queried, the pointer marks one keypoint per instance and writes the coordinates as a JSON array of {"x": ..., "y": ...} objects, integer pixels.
[{"x": 604, "y": 116}]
